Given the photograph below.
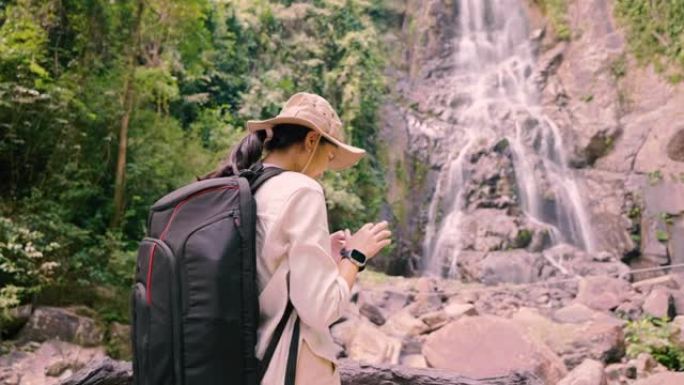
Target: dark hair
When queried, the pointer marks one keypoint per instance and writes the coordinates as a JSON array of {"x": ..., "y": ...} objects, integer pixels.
[{"x": 250, "y": 148}]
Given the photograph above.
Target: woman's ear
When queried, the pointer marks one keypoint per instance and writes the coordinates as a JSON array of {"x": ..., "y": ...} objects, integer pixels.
[{"x": 310, "y": 140}]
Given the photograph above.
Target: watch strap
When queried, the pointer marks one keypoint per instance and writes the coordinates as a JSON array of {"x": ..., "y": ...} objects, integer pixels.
[{"x": 348, "y": 254}]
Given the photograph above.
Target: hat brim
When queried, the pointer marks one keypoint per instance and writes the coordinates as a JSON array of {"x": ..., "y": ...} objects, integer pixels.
[{"x": 346, "y": 155}]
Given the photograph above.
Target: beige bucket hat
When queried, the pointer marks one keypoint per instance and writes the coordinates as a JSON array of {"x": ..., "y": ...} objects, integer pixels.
[{"x": 313, "y": 111}]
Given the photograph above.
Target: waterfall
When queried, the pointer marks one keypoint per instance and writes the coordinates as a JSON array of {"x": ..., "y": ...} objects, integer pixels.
[{"x": 493, "y": 62}]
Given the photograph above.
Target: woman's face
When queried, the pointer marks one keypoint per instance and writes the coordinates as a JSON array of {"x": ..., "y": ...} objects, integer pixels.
[{"x": 324, "y": 153}]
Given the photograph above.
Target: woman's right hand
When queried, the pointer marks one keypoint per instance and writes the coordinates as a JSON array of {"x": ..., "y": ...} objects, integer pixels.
[{"x": 370, "y": 239}]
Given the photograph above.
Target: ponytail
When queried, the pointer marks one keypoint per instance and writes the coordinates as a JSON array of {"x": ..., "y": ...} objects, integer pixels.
[{"x": 243, "y": 155}]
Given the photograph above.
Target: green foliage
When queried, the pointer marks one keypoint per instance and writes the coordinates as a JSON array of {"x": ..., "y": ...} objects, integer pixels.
[
  {"x": 557, "y": 12},
  {"x": 197, "y": 70},
  {"x": 25, "y": 267},
  {"x": 656, "y": 337},
  {"x": 330, "y": 48},
  {"x": 667, "y": 218},
  {"x": 656, "y": 33},
  {"x": 502, "y": 145},
  {"x": 523, "y": 239},
  {"x": 655, "y": 177},
  {"x": 618, "y": 67},
  {"x": 662, "y": 236}
]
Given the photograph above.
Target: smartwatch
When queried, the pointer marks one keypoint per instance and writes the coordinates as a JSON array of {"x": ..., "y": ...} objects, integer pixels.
[{"x": 356, "y": 257}]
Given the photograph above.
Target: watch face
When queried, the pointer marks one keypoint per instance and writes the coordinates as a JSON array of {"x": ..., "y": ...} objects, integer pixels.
[{"x": 358, "y": 256}]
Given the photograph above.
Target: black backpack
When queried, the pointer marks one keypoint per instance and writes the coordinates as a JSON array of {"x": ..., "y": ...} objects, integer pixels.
[{"x": 194, "y": 304}]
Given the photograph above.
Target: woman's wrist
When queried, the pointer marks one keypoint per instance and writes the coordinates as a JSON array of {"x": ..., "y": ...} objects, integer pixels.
[
  {"x": 355, "y": 256},
  {"x": 348, "y": 271},
  {"x": 347, "y": 262}
]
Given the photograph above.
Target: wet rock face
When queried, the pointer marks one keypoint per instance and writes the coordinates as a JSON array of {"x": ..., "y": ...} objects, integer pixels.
[
  {"x": 491, "y": 182},
  {"x": 619, "y": 124}
]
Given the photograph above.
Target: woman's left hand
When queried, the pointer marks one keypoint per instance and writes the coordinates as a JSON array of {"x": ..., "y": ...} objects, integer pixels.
[{"x": 337, "y": 241}]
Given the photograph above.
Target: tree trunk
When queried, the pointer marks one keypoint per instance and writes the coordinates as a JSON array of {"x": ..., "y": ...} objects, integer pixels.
[
  {"x": 128, "y": 103},
  {"x": 110, "y": 372}
]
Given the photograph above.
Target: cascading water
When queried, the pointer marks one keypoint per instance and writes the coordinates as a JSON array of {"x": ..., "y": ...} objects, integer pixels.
[{"x": 492, "y": 67}]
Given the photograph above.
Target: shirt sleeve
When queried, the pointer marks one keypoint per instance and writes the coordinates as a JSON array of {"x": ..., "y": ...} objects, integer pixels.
[{"x": 317, "y": 290}]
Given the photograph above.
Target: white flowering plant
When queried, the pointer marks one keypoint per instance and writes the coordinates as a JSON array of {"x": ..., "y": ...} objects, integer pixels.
[{"x": 25, "y": 266}]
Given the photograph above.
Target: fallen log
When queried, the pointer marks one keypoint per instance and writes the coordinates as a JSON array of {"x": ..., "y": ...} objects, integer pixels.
[{"x": 111, "y": 372}]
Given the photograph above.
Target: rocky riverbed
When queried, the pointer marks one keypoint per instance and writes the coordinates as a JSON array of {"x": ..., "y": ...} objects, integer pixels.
[{"x": 427, "y": 331}]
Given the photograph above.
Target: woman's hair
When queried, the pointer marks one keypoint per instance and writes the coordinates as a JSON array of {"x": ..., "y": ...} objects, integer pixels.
[{"x": 250, "y": 149}]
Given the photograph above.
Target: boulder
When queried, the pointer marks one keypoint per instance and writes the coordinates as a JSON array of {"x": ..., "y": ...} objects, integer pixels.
[
  {"x": 600, "y": 339},
  {"x": 653, "y": 248},
  {"x": 45, "y": 363},
  {"x": 678, "y": 324},
  {"x": 120, "y": 341},
  {"x": 450, "y": 312},
  {"x": 15, "y": 319},
  {"x": 403, "y": 323},
  {"x": 659, "y": 303},
  {"x": 665, "y": 378},
  {"x": 387, "y": 301},
  {"x": 62, "y": 324},
  {"x": 435, "y": 320},
  {"x": 602, "y": 293},
  {"x": 619, "y": 373},
  {"x": 343, "y": 331},
  {"x": 489, "y": 346},
  {"x": 645, "y": 364},
  {"x": 514, "y": 266},
  {"x": 589, "y": 372},
  {"x": 425, "y": 303},
  {"x": 373, "y": 313},
  {"x": 575, "y": 313},
  {"x": 675, "y": 244},
  {"x": 369, "y": 344},
  {"x": 630, "y": 309},
  {"x": 455, "y": 310},
  {"x": 645, "y": 286},
  {"x": 414, "y": 361},
  {"x": 678, "y": 300}
]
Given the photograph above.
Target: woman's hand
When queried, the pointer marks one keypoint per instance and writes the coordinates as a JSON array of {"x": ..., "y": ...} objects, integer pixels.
[
  {"x": 370, "y": 239},
  {"x": 337, "y": 242}
]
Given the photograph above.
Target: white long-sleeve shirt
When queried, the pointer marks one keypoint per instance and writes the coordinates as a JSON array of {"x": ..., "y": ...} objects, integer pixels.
[{"x": 292, "y": 235}]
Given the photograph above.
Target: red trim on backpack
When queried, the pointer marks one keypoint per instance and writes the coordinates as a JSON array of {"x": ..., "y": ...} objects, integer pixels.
[{"x": 148, "y": 291}]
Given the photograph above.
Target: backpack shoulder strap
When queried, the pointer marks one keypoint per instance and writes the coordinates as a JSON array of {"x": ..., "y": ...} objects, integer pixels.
[
  {"x": 262, "y": 175},
  {"x": 265, "y": 175},
  {"x": 257, "y": 174},
  {"x": 291, "y": 366}
]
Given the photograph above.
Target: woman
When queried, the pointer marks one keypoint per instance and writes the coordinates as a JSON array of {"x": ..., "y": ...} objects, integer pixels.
[{"x": 297, "y": 258}]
